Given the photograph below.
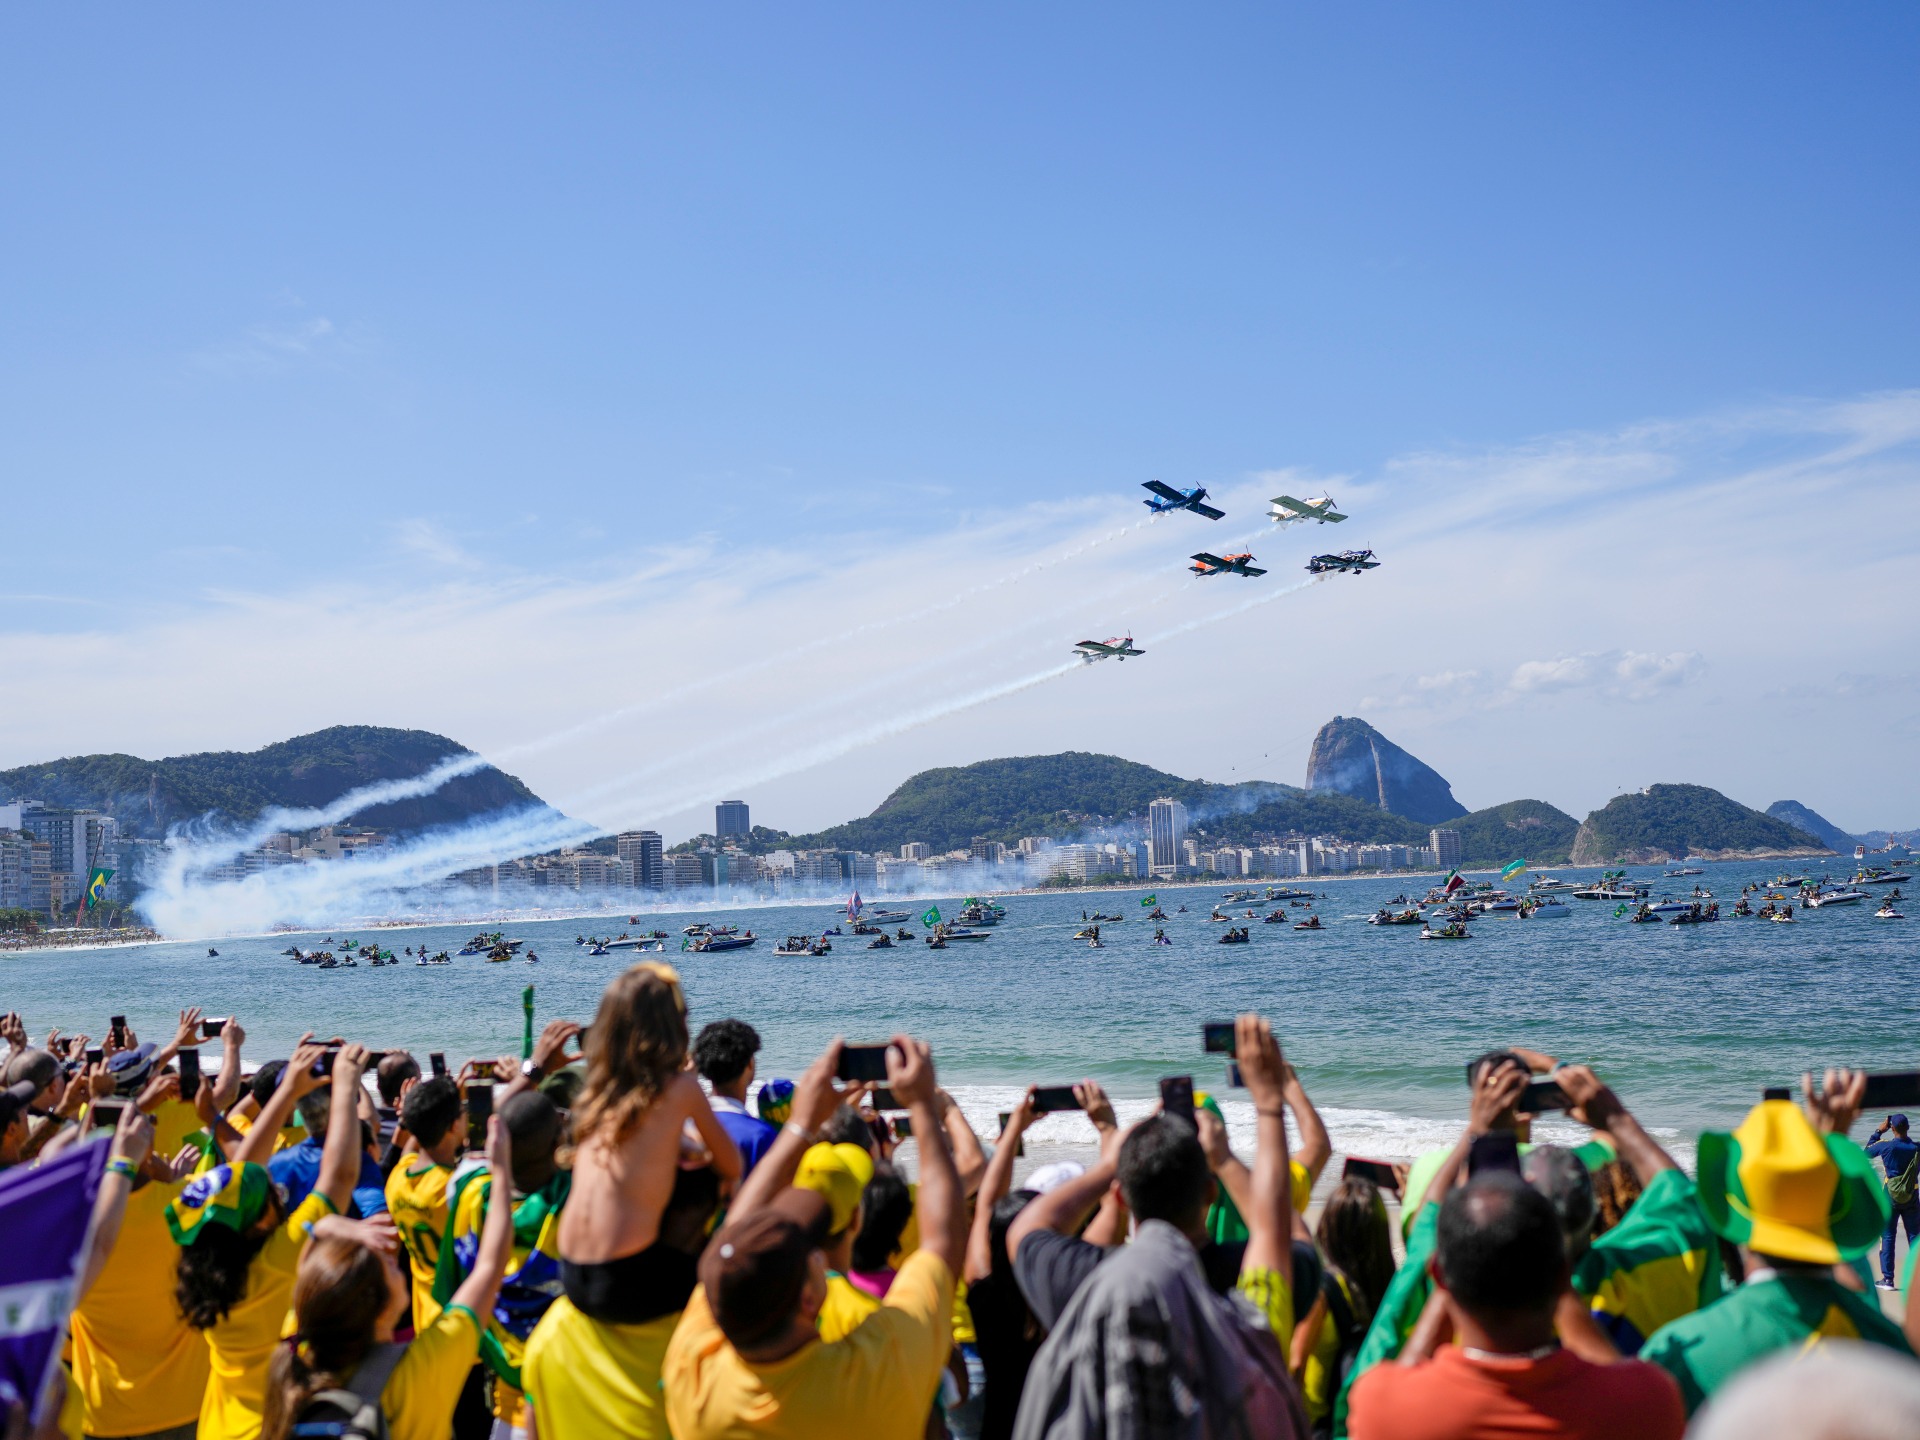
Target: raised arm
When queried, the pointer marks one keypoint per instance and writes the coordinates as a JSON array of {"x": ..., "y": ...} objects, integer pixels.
[
  {"x": 296, "y": 1079},
  {"x": 1227, "y": 1167},
  {"x": 225, "y": 1089},
  {"x": 549, "y": 1056},
  {"x": 940, "y": 1206},
  {"x": 727, "y": 1164},
  {"x": 187, "y": 1034},
  {"x": 482, "y": 1285},
  {"x": 994, "y": 1187},
  {"x": 1496, "y": 1090},
  {"x": 1596, "y": 1105},
  {"x": 969, "y": 1159},
  {"x": 1270, "y": 1218},
  {"x": 1316, "y": 1147},
  {"x": 815, "y": 1098},
  {"x": 340, "y": 1156}
]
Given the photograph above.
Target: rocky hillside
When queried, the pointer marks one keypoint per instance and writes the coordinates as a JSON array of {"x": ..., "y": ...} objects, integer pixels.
[
  {"x": 1666, "y": 822},
  {"x": 1350, "y": 757},
  {"x": 1793, "y": 813},
  {"x": 148, "y": 796}
]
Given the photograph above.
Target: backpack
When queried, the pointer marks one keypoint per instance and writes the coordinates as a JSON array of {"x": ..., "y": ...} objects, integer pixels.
[
  {"x": 1349, "y": 1326},
  {"x": 353, "y": 1413},
  {"x": 1901, "y": 1188}
]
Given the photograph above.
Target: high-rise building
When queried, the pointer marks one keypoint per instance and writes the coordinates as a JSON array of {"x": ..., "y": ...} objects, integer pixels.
[
  {"x": 78, "y": 839},
  {"x": 1448, "y": 848},
  {"x": 642, "y": 849},
  {"x": 730, "y": 821},
  {"x": 985, "y": 850},
  {"x": 1166, "y": 832},
  {"x": 915, "y": 850}
]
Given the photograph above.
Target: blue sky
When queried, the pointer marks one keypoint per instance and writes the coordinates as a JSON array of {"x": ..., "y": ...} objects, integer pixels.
[{"x": 393, "y": 319}]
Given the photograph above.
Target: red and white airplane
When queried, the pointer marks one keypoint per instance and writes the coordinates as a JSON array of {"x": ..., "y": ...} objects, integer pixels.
[{"x": 1119, "y": 649}]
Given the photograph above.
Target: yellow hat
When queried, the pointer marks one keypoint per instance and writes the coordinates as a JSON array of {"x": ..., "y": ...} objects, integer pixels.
[
  {"x": 839, "y": 1174},
  {"x": 1780, "y": 1187}
]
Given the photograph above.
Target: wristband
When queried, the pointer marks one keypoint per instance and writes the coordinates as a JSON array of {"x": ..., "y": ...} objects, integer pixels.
[
  {"x": 120, "y": 1165},
  {"x": 794, "y": 1127}
]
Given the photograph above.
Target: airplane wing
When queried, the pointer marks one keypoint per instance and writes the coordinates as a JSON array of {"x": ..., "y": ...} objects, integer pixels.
[
  {"x": 1208, "y": 511},
  {"x": 1334, "y": 515},
  {"x": 1163, "y": 490},
  {"x": 1095, "y": 645},
  {"x": 1214, "y": 560},
  {"x": 1301, "y": 510},
  {"x": 1251, "y": 570}
]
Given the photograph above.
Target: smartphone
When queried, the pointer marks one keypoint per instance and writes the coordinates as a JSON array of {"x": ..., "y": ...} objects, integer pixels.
[
  {"x": 1050, "y": 1099},
  {"x": 1020, "y": 1146},
  {"x": 1899, "y": 1087},
  {"x": 211, "y": 1028},
  {"x": 903, "y": 1127},
  {"x": 1378, "y": 1171},
  {"x": 324, "y": 1065},
  {"x": 117, "y": 1030},
  {"x": 189, "y": 1074},
  {"x": 1776, "y": 1092},
  {"x": 862, "y": 1063},
  {"x": 95, "y": 1054},
  {"x": 1176, "y": 1096},
  {"x": 105, "y": 1114},
  {"x": 1541, "y": 1096},
  {"x": 438, "y": 1059},
  {"x": 479, "y": 1111},
  {"x": 1497, "y": 1150},
  {"x": 1217, "y": 1036},
  {"x": 882, "y": 1099},
  {"x": 1234, "y": 1080}
]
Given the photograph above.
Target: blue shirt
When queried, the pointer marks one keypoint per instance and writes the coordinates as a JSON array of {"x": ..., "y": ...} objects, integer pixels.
[
  {"x": 1896, "y": 1153},
  {"x": 296, "y": 1170},
  {"x": 753, "y": 1135}
]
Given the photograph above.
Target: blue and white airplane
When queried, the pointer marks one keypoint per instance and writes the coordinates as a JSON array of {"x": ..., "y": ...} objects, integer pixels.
[{"x": 1172, "y": 499}]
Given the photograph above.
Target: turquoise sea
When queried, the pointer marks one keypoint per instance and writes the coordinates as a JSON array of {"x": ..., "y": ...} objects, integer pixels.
[{"x": 1688, "y": 1023}]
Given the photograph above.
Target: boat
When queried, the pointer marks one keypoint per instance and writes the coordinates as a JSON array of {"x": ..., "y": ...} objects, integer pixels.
[
  {"x": 1087, "y": 932},
  {"x": 1611, "y": 891},
  {"x": 1686, "y": 870},
  {"x": 1547, "y": 909},
  {"x": 1697, "y": 916},
  {"x": 888, "y": 917},
  {"x": 860, "y": 927},
  {"x": 1502, "y": 905},
  {"x": 1389, "y": 917},
  {"x": 984, "y": 912},
  {"x": 1278, "y": 917},
  {"x": 885, "y": 942},
  {"x": 965, "y": 934},
  {"x": 1782, "y": 917},
  {"x": 1671, "y": 907},
  {"x": 1875, "y": 875},
  {"x": 1281, "y": 892},
  {"x": 1823, "y": 898},
  {"x": 1887, "y": 912},
  {"x": 713, "y": 943},
  {"x": 1787, "y": 882},
  {"x": 1312, "y": 922},
  {"x": 634, "y": 942},
  {"x": 1645, "y": 915},
  {"x": 795, "y": 945},
  {"x": 1156, "y": 914},
  {"x": 1160, "y": 938},
  {"x": 1235, "y": 937},
  {"x": 1548, "y": 882},
  {"x": 1452, "y": 930}
]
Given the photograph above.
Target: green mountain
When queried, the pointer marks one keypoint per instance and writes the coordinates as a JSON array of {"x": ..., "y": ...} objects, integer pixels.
[
  {"x": 1814, "y": 824},
  {"x": 1529, "y": 830},
  {"x": 1665, "y": 822},
  {"x": 1063, "y": 795},
  {"x": 148, "y": 796}
]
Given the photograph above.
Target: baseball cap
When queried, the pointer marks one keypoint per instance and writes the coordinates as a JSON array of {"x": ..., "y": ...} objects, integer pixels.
[
  {"x": 839, "y": 1175},
  {"x": 129, "y": 1067},
  {"x": 775, "y": 1101},
  {"x": 1052, "y": 1177},
  {"x": 755, "y": 1268}
]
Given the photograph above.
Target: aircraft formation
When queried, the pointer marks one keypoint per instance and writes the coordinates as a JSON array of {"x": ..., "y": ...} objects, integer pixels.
[{"x": 1283, "y": 510}]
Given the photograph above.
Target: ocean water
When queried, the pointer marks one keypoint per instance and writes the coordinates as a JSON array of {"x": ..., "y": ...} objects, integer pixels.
[{"x": 1687, "y": 1023}]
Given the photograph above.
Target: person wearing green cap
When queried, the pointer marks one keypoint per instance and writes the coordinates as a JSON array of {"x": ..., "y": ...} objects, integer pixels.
[{"x": 1798, "y": 1197}]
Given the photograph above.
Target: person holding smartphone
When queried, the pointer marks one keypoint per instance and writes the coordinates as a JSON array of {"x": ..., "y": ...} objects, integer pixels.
[{"x": 1900, "y": 1158}]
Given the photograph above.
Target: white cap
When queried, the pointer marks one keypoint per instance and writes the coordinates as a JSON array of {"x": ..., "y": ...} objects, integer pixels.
[{"x": 1052, "y": 1177}]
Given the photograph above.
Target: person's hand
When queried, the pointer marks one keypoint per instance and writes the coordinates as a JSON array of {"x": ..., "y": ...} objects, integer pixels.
[
  {"x": 910, "y": 1071},
  {"x": 1099, "y": 1108},
  {"x": 1837, "y": 1106},
  {"x": 100, "y": 1082},
  {"x": 1495, "y": 1092},
  {"x": 76, "y": 1047},
  {"x": 351, "y": 1063},
  {"x": 548, "y": 1050},
  {"x": 376, "y": 1232},
  {"x": 13, "y": 1030},
  {"x": 298, "y": 1077},
  {"x": 1261, "y": 1064},
  {"x": 232, "y": 1034},
  {"x": 1593, "y": 1103},
  {"x": 499, "y": 1150},
  {"x": 132, "y": 1137},
  {"x": 52, "y": 1046},
  {"x": 816, "y": 1095},
  {"x": 161, "y": 1088},
  {"x": 1019, "y": 1117},
  {"x": 189, "y": 1031},
  {"x": 1213, "y": 1138},
  {"x": 1537, "y": 1061}
]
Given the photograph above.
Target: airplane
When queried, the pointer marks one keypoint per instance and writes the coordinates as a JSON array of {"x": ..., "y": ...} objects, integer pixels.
[
  {"x": 1205, "y": 564},
  {"x": 1092, "y": 650},
  {"x": 1172, "y": 499},
  {"x": 1351, "y": 561},
  {"x": 1286, "y": 510}
]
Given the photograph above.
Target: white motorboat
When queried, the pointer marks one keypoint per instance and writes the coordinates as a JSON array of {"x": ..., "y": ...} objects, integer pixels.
[
  {"x": 1672, "y": 907},
  {"x": 1834, "y": 897},
  {"x": 1548, "y": 909}
]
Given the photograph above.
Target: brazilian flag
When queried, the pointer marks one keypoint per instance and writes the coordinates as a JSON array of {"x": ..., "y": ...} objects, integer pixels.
[
  {"x": 1147, "y": 902},
  {"x": 97, "y": 887},
  {"x": 932, "y": 917},
  {"x": 1512, "y": 868}
]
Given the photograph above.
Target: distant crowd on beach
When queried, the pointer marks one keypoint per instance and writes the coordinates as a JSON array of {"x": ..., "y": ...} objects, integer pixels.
[{"x": 627, "y": 1230}]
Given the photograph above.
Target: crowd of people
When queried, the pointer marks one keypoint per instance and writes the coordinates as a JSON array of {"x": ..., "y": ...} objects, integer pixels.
[{"x": 630, "y": 1233}]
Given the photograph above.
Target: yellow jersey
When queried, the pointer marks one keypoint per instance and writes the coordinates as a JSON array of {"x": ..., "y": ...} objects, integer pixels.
[
  {"x": 421, "y": 1394},
  {"x": 844, "y": 1308},
  {"x": 137, "y": 1365},
  {"x": 417, "y": 1200},
  {"x": 586, "y": 1379}
]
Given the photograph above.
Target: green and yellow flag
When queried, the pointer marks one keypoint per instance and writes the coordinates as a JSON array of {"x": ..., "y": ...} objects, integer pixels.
[
  {"x": 97, "y": 887},
  {"x": 932, "y": 917},
  {"x": 526, "y": 1040},
  {"x": 1513, "y": 868},
  {"x": 1148, "y": 901}
]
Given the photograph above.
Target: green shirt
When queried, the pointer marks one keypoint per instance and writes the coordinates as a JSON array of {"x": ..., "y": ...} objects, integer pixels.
[
  {"x": 1399, "y": 1308},
  {"x": 1770, "y": 1313},
  {"x": 1659, "y": 1263}
]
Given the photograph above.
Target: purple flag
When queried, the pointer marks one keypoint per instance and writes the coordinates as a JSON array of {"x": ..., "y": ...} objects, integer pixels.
[{"x": 46, "y": 1214}]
